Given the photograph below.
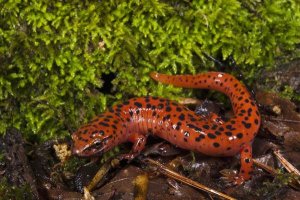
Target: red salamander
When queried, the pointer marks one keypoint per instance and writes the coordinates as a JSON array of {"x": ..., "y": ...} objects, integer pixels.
[{"x": 134, "y": 120}]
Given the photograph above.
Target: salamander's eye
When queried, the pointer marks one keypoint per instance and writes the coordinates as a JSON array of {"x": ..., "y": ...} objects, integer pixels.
[{"x": 97, "y": 143}]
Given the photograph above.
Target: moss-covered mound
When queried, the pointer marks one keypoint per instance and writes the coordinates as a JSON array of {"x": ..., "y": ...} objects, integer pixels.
[{"x": 54, "y": 55}]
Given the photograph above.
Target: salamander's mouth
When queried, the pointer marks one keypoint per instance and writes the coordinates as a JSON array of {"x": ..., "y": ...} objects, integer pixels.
[
  {"x": 97, "y": 148},
  {"x": 88, "y": 152}
]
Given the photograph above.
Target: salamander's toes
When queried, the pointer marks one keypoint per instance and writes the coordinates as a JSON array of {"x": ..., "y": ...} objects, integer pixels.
[{"x": 231, "y": 177}]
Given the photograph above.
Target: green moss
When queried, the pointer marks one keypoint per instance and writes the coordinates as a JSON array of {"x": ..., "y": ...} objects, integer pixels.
[
  {"x": 53, "y": 54},
  {"x": 277, "y": 185},
  {"x": 289, "y": 93},
  {"x": 14, "y": 193}
]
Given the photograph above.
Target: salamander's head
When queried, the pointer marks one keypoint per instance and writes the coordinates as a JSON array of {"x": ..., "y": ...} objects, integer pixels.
[{"x": 91, "y": 140}]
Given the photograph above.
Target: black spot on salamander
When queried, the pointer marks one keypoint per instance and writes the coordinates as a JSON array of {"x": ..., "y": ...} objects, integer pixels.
[
  {"x": 114, "y": 127},
  {"x": 214, "y": 127},
  {"x": 211, "y": 136},
  {"x": 137, "y": 111},
  {"x": 161, "y": 100},
  {"x": 185, "y": 139},
  {"x": 104, "y": 124},
  {"x": 192, "y": 126},
  {"x": 246, "y": 150},
  {"x": 181, "y": 117},
  {"x": 131, "y": 113},
  {"x": 193, "y": 119},
  {"x": 247, "y": 160},
  {"x": 138, "y": 104},
  {"x": 166, "y": 117},
  {"x": 221, "y": 129},
  {"x": 199, "y": 138},
  {"x": 168, "y": 109},
  {"x": 240, "y": 98},
  {"x": 106, "y": 120},
  {"x": 153, "y": 107},
  {"x": 116, "y": 121},
  {"x": 257, "y": 113},
  {"x": 217, "y": 132},
  {"x": 246, "y": 100},
  {"x": 256, "y": 121},
  {"x": 228, "y": 133},
  {"x": 249, "y": 111},
  {"x": 229, "y": 127},
  {"x": 243, "y": 111},
  {"x": 120, "y": 105},
  {"x": 118, "y": 110},
  {"x": 239, "y": 135},
  {"x": 205, "y": 126},
  {"x": 216, "y": 144},
  {"x": 178, "y": 109},
  {"x": 160, "y": 106},
  {"x": 126, "y": 102},
  {"x": 178, "y": 125},
  {"x": 148, "y": 105},
  {"x": 232, "y": 122},
  {"x": 247, "y": 125},
  {"x": 228, "y": 148},
  {"x": 153, "y": 114},
  {"x": 155, "y": 98}
]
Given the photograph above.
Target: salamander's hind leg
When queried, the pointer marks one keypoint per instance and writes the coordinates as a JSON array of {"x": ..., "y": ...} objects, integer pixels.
[
  {"x": 246, "y": 164},
  {"x": 139, "y": 142},
  {"x": 245, "y": 170}
]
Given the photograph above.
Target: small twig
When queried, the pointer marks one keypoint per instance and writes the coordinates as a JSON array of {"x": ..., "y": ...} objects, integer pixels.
[
  {"x": 282, "y": 120},
  {"x": 267, "y": 168},
  {"x": 101, "y": 172},
  {"x": 169, "y": 173},
  {"x": 294, "y": 183},
  {"x": 185, "y": 101},
  {"x": 287, "y": 165}
]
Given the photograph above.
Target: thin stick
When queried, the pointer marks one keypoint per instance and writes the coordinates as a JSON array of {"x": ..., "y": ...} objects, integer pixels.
[
  {"x": 169, "y": 173},
  {"x": 287, "y": 165}
]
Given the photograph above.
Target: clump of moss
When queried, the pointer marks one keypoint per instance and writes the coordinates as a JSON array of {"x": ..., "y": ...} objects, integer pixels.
[
  {"x": 14, "y": 193},
  {"x": 276, "y": 186},
  {"x": 53, "y": 54}
]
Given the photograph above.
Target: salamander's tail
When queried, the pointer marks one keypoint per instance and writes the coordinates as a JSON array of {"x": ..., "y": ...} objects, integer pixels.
[{"x": 242, "y": 102}]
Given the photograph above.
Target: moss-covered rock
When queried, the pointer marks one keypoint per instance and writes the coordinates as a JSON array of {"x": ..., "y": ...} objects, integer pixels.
[{"x": 54, "y": 54}]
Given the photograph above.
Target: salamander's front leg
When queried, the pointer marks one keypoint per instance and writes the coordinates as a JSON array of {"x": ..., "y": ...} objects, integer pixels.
[{"x": 139, "y": 142}]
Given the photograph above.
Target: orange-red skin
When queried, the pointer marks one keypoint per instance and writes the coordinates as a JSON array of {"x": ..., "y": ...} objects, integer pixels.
[{"x": 135, "y": 119}]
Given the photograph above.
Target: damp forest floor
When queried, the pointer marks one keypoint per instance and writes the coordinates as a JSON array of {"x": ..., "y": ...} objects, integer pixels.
[{"x": 48, "y": 171}]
